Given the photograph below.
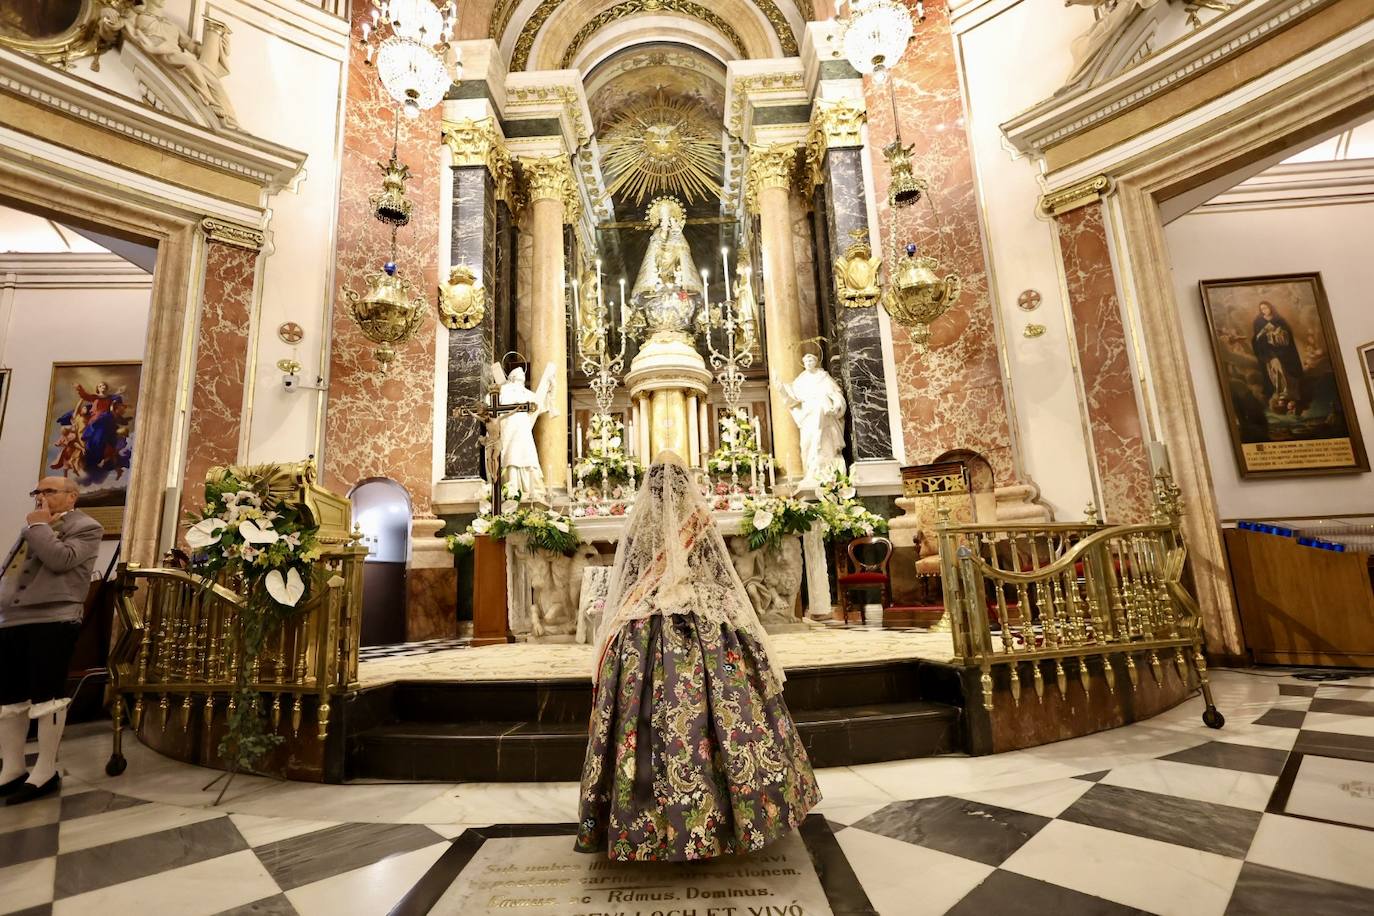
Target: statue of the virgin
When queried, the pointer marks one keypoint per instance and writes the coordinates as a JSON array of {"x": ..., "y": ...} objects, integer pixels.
[{"x": 668, "y": 287}]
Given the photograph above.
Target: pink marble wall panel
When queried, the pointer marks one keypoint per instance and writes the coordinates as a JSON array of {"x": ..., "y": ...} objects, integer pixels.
[
  {"x": 382, "y": 425},
  {"x": 1105, "y": 364},
  {"x": 951, "y": 394},
  {"x": 220, "y": 367}
]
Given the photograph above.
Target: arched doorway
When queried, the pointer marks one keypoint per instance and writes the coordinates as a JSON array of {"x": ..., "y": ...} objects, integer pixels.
[{"x": 381, "y": 508}]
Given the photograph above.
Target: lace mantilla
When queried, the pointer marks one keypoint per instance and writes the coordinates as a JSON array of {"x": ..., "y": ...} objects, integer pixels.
[{"x": 673, "y": 560}]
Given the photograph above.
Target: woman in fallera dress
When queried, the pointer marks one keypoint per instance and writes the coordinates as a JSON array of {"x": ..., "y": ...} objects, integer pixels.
[{"x": 692, "y": 752}]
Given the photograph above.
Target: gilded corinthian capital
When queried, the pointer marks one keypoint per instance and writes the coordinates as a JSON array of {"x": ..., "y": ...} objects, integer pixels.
[
  {"x": 769, "y": 167},
  {"x": 478, "y": 143},
  {"x": 551, "y": 178},
  {"x": 834, "y": 125}
]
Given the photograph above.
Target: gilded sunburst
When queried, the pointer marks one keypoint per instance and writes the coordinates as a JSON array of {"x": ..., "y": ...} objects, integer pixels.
[{"x": 663, "y": 146}]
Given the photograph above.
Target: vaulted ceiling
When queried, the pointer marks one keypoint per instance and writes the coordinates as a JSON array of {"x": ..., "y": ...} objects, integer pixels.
[{"x": 581, "y": 34}]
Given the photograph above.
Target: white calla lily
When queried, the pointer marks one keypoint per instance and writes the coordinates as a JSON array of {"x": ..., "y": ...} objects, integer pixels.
[
  {"x": 255, "y": 533},
  {"x": 848, "y": 493},
  {"x": 480, "y": 526},
  {"x": 204, "y": 533},
  {"x": 286, "y": 589},
  {"x": 762, "y": 519}
]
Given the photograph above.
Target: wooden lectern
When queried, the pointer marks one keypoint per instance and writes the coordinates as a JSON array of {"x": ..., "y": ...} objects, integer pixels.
[{"x": 490, "y": 621}]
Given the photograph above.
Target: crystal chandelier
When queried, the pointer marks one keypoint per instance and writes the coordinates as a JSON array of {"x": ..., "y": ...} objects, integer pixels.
[
  {"x": 876, "y": 32},
  {"x": 409, "y": 43}
]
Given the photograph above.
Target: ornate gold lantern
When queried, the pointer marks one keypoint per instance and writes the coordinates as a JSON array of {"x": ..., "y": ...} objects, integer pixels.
[
  {"x": 904, "y": 188},
  {"x": 916, "y": 296},
  {"x": 387, "y": 314},
  {"x": 390, "y": 204}
]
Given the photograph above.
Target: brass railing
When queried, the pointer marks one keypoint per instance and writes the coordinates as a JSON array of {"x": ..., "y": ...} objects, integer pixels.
[
  {"x": 1031, "y": 595},
  {"x": 176, "y": 648}
]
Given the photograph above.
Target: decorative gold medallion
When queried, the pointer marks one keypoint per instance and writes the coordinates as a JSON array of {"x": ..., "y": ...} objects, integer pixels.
[
  {"x": 462, "y": 300},
  {"x": 290, "y": 332},
  {"x": 856, "y": 273}
]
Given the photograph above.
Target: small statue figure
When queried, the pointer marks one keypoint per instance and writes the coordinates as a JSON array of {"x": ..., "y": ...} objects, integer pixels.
[
  {"x": 817, "y": 406},
  {"x": 1112, "y": 18},
  {"x": 202, "y": 64},
  {"x": 856, "y": 274},
  {"x": 747, "y": 334},
  {"x": 520, "y": 470}
]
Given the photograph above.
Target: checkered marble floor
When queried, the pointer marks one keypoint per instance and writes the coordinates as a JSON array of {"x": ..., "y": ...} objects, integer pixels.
[
  {"x": 1273, "y": 814},
  {"x": 411, "y": 649}
]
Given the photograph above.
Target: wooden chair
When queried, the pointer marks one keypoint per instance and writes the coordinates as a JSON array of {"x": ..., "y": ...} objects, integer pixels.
[{"x": 861, "y": 574}]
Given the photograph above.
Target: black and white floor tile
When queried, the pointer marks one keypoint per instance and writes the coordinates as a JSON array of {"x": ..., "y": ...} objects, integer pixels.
[
  {"x": 410, "y": 649},
  {"x": 1272, "y": 815}
]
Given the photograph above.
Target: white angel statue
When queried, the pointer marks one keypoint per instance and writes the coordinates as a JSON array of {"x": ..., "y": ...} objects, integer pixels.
[{"x": 520, "y": 470}]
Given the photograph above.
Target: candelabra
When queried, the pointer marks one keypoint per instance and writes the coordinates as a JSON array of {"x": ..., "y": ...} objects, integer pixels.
[
  {"x": 739, "y": 339},
  {"x": 603, "y": 368}
]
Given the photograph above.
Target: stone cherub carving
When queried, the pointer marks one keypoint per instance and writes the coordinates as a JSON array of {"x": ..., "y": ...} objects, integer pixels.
[
  {"x": 557, "y": 584},
  {"x": 203, "y": 64},
  {"x": 771, "y": 578}
]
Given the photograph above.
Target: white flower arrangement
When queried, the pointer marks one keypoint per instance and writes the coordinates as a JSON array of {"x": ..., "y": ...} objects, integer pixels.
[{"x": 846, "y": 518}]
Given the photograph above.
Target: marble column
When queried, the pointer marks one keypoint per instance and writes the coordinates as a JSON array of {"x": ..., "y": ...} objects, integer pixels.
[
  {"x": 769, "y": 186},
  {"x": 221, "y": 361},
  {"x": 1104, "y": 364},
  {"x": 835, "y": 148},
  {"x": 480, "y": 178},
  {"x": 553, "y": 202}
]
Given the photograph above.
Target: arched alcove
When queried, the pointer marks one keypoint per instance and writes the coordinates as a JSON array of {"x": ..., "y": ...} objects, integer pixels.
[{"x": 381, "y": 508}]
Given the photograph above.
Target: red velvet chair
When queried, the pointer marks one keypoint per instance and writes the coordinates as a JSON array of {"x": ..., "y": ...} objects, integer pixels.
[{"x": 860, "y": 574}]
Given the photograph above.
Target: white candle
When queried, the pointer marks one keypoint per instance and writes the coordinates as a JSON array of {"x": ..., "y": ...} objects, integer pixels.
[
  {"x": 725, "y": 270},
  {"x": 577, "y": 442},
  {"x": 600, "y": 303},
  {"x": 772, "y": 484},
  {"x": 705, "y": 292},
  {"x": 577, "y": 308},
  {"x": 754, "y": 472},
  {"x": 622, "y": 292}
]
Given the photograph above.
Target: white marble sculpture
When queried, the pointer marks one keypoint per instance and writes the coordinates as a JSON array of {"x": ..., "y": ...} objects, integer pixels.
[
  {"x": 520, "y": 469},
  {"x": 817, "y": 406},
  {"x": 203, "y": 64},
  {"x": 772, "y": 578},
  {"x": 1112, "y": 18}
]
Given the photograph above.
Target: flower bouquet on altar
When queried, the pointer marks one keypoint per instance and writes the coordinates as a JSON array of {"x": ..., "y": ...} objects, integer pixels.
[
  {"x": 739, "y": 446},
  {"x": 769, "y": 519},
  {"x": 845, "y": 518},
  {"x": 250, "y": 539},
  {"x": 606, "y": 461},
  {"x": 542, "y": 529}
]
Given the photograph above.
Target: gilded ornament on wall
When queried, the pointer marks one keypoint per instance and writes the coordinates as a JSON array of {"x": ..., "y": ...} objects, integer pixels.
[
  {"x": 856, "y": 274},
  {"x": 663, "y": 146},
  {"x": 462, "y": 300}
]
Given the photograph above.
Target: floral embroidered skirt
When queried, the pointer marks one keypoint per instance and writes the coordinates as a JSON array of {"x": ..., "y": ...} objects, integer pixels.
[{"x": 689, "y": 756}]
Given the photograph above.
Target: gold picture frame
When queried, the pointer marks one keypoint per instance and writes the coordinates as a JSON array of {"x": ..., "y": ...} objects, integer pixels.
[
  {"x": 1365, "y": 354},
  {"x": 57, "y": 31},
  {"x": 89, "y": 434},
  {"x": 1283, "y": 385}
]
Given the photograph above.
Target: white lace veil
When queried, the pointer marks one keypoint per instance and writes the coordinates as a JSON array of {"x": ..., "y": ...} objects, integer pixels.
[{"x": 672, "y": 560}]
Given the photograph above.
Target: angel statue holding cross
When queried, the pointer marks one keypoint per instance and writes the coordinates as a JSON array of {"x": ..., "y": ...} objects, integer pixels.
[{"x": 520, "y": 472}]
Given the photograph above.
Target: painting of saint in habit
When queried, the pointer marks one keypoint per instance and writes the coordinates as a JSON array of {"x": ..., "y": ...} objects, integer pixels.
[
  {"x": 90, "y": 438},
  {"x": 1284, "y": 388},
  {"x": 37, "y": 20}
]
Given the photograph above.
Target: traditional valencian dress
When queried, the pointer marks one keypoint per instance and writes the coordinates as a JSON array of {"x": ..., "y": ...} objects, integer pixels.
[{"x": 692, "y": 752}]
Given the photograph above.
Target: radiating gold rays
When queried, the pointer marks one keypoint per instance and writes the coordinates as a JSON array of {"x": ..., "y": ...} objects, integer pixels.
[{"x": 663, "y": 146}]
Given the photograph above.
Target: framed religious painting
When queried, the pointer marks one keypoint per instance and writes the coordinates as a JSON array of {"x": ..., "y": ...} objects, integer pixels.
[
  {"x": 88, "y": 434},
  {"x": 4, "y": 395},
  {"x": 1365, "y": 355},
  {"x": 1282, "y": 382}
]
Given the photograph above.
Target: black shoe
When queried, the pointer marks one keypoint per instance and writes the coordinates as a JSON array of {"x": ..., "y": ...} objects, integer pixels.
[
  {"x": 14, "y": 785},
  {"x": 29, "y": 792}
]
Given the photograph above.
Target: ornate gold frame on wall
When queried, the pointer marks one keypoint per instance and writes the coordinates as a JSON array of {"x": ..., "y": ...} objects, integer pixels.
[{"x": 80, "y": 39}]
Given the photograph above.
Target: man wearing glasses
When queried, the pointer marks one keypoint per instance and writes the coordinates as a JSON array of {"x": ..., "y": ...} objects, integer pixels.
[{"x": 43, "y": 587}]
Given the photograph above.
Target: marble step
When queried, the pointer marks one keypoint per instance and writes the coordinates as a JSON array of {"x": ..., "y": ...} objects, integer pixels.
[
  {"x": 525, "y": 751},
  {"x": 553, "y": 701}
]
